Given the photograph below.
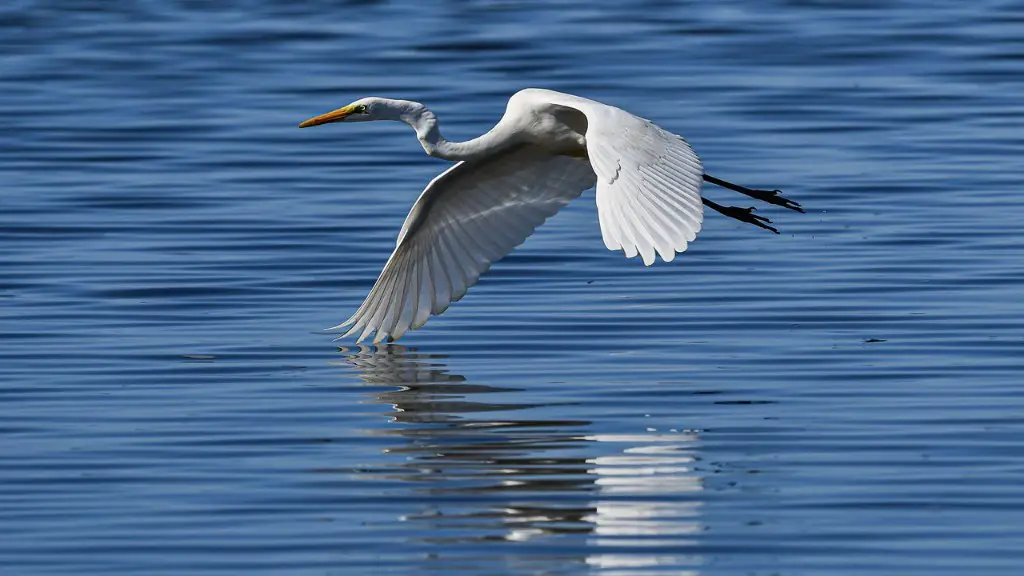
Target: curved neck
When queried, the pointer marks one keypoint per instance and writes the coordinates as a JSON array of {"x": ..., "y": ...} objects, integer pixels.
[{"x": 429, "y": 134}]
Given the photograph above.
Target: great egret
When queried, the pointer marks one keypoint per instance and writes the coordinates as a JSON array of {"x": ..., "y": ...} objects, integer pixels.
[{"x": 546, "y": 150}]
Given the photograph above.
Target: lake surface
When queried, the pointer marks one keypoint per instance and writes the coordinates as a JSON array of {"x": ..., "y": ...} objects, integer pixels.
[{"x": 845, "y": 398}]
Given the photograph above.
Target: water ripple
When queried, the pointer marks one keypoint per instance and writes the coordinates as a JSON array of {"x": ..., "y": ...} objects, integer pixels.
[{"x": 843, "y": 398}]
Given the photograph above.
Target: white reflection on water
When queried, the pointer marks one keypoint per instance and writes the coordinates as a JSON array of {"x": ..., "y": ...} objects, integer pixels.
[
  {"x": 482, "y": 467},
  {"x": 648, "y": 496}
]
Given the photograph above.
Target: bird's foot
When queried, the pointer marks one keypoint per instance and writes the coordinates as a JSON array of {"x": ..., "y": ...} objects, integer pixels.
[
  {"x": 774, "y": 197},
  {"x": 747, "y": 215}
]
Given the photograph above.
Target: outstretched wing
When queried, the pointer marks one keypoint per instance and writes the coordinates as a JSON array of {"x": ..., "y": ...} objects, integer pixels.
[
  {"x": 467, "y": 218},
  {"x": 649, "y": 180}
]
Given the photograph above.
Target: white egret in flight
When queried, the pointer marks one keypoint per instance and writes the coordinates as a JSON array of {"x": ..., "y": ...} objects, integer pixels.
[{"x": 546, "y": 150}]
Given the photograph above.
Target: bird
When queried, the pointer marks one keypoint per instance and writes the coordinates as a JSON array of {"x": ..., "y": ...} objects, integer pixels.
[{"x": 548, "y": 148}]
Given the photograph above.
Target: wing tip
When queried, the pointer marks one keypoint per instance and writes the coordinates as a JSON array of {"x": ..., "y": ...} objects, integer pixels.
[{"x": 338, "y": 327}]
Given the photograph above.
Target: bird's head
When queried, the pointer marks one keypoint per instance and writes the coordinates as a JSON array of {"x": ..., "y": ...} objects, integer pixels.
[{"x": 367, "y": 109}]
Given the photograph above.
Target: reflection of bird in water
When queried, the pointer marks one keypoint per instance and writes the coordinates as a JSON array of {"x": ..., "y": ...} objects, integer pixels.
[
  {"x": 545, "y": 151},
  {"x": 498, "y": 472},
  {"x": 483, "y": 470}
]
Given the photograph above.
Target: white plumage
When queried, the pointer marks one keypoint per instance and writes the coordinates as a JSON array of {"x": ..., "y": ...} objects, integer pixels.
[
  {"x": 470, "y": 216},
  {"x": 547, "y": 149}
]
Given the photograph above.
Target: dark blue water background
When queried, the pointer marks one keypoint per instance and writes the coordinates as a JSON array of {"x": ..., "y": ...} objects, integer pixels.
[{"x": 845, "y": 398}]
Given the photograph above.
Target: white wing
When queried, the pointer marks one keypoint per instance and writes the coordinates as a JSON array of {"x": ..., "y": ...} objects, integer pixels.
[
  {"x": 470, "y": 216},
  {"x": 649, "y": 181}
]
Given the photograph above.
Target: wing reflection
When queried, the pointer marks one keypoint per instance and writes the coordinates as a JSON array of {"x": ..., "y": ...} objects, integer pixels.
[
  {"x": 483, "y": 465},
  {"x": 484, "y": 469},
  {"x": 649, "y": 497}
]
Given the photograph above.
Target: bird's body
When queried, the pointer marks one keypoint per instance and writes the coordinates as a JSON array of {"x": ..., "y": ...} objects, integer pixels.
[
  {"x": 547, "y": 149},
  {"x": 536, "y": 117}
]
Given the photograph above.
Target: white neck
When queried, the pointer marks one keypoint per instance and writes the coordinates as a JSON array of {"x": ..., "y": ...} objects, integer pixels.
[{"x": 428, "y": 132}]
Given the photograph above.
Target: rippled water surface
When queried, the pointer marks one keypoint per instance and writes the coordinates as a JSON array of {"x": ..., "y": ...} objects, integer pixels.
[{"x": 845, "y": 398}]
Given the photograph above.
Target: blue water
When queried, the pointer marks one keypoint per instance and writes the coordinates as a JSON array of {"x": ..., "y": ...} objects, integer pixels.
[{"x": 846, "y": 398}]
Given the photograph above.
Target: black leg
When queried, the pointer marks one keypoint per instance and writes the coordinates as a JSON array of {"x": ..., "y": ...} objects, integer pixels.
[
  {"x": 769, "y": 196},
  {"x": 742, "y": 214}
]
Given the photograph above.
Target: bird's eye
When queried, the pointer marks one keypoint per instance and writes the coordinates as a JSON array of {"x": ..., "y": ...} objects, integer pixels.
[{"x": 361, "y": 109}]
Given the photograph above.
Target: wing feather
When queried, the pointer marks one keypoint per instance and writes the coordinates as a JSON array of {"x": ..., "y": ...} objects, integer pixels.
[
  {"x": 375, "y": 306},
  {"x": 443, "y": 284},
  {"x": 426, "y": 289},
  {"x": 649, "y": 180},
  {"x": 409, "y": 306},
  {"x": 467, "y": 218}
]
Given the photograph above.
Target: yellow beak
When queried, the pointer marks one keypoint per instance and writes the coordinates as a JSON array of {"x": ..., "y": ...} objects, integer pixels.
[{"x": 332, "y": 116}]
